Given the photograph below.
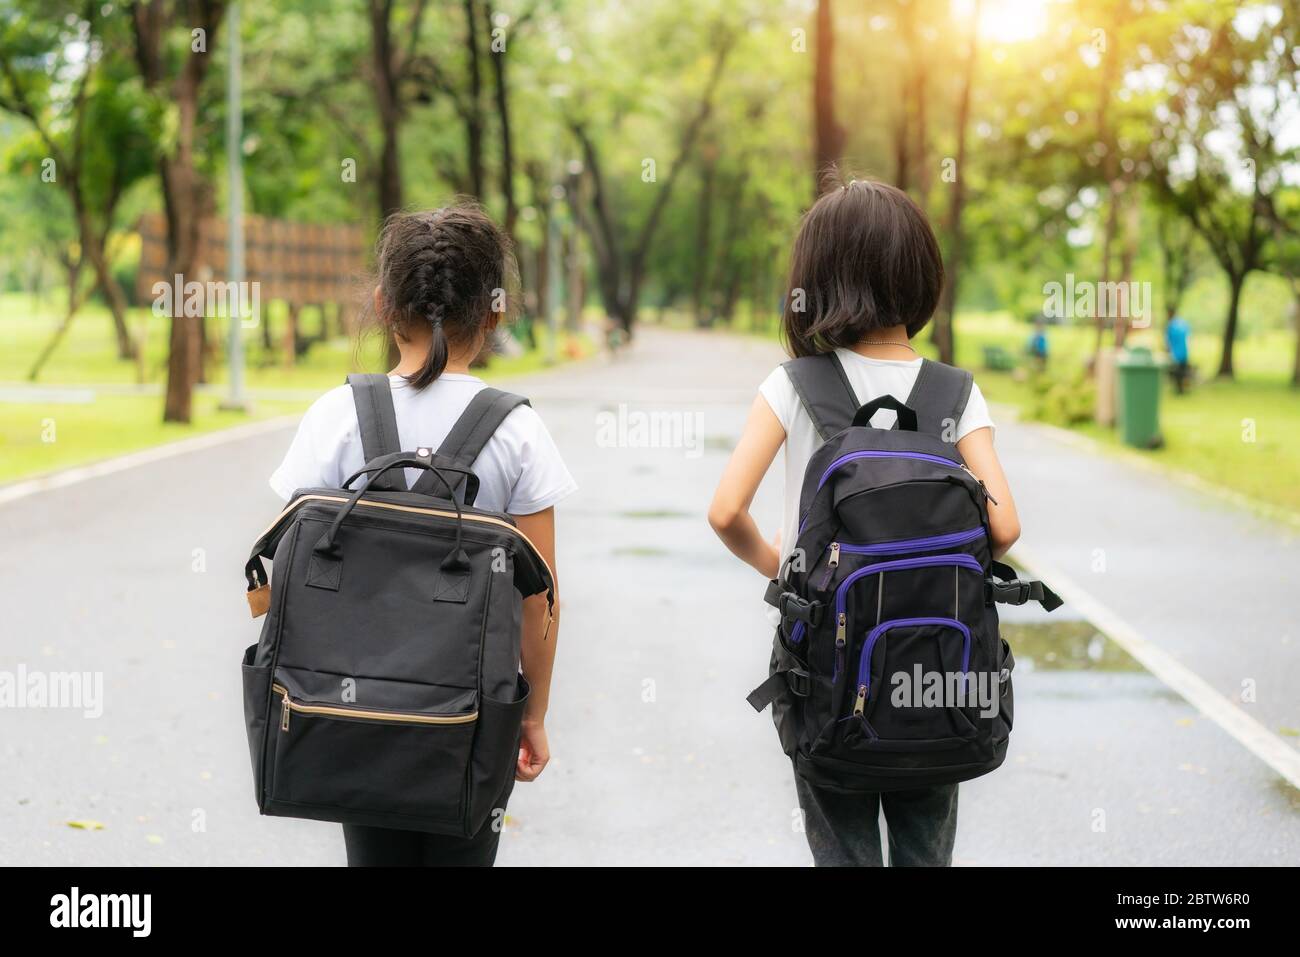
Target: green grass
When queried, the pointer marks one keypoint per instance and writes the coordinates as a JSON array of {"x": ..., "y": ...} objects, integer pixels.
[
  {"x": 38, "y": 437},
  {"x": 1206, "y": 431},
  {"x": 52, "y": 431}
]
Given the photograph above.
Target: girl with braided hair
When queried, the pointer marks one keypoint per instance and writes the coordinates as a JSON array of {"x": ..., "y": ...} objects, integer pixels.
[{"x": 440, "y": 293}]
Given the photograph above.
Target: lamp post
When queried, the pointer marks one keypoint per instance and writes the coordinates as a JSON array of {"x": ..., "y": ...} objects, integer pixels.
[{"x": 237, "y": 400}]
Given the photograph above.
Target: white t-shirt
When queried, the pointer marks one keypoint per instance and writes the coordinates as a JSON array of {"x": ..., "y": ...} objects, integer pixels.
[
  {"x": 870, "y": 378},
  {"x": 520, "y": 470}
]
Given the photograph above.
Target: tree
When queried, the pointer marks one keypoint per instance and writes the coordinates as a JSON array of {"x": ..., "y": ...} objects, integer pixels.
[
  {"x": 621, "y": 259},
  {"x": 391, "y": 65},
  {"x": 828, "y": 134},
  {"x": 944, "y": 332},
  {"x": 1224, "y": 191},
  {"x": 56, "y": 72},
  {"x": 1283, "y": 256},
  {"x": 173, "y": 44}
]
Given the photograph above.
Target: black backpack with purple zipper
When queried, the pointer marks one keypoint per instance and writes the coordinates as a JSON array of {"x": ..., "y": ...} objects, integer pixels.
[{"x": 887, "y": 669}]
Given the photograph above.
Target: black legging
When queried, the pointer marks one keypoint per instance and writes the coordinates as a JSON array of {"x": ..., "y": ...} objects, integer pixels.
[{"x": 385, "y": 847}]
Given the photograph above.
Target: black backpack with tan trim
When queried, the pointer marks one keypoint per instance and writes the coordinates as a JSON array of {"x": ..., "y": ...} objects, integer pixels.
[
  {"x": 887, "y": 669},
  {"x": 385, "y": 688}
]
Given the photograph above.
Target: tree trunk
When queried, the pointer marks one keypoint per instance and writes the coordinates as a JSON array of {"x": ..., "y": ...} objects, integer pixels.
[
  {"x": 1128, "y": 253},
  {"x": 290, "y": 343},
  {"x": 944, "y": 334},
  {"x": 474, "y": 111},
  {"x": 107, "y": 282},
  {"x": 1110, "y": 173},
  {"x": 1295, "y": 317},
  {"x": 182, "y": 187},
  {"x": 1230, "y": 327},
  {"x": 920, "y": 148},
  {"x": 502, "y": 92},
  {"x": 828, "y": 135},
  {"x": 388, "y": 104},
  {"x": 904, "y": 161},
  {"x": 542, "y": 266},
  {"x": 390, "y": 169},
  {"x": 729, "y": 265},
  {"x": 179, "y": 187},
  {"x": 703, "y": 234},
  {"x": 76, "y": 296},
  {"x": 573, "y": 265}
]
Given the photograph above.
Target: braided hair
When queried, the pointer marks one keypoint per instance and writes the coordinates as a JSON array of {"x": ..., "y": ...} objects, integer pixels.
[{"x": 444, "y": 268}]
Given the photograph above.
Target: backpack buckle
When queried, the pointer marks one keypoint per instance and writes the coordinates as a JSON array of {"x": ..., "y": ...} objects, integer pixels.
[
  {"x": 799, "y": 608},
  {"x": 799, "y": 682},
  {"x": 1015, "y": 592}
]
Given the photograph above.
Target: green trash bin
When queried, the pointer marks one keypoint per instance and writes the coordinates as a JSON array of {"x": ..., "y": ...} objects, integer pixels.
[{"x": 1139, "y": 398}]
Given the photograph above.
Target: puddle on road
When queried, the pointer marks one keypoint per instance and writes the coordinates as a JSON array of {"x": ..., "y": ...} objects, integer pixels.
[
  {"x": 1065, "y": 646},
  {"x": 640, "y": 551},
  {"x": 654, "y": 513},
  {"x": 1290, "y": 793}
]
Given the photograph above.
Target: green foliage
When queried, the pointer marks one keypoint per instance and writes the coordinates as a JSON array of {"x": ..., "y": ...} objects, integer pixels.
[
  {"x": 1071, "y": 122},
  {"x": 1061, "y": 400}
]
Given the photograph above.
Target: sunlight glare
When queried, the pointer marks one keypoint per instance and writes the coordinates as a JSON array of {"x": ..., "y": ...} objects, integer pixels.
[{"x": 1006, "y": 21}]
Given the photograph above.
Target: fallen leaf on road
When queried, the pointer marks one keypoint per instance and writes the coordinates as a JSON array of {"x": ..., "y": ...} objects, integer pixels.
[
  {"x": 153, "y": 838},
  {"x": 86, "y": 825},
  {"x": 1289, "y": 732}
]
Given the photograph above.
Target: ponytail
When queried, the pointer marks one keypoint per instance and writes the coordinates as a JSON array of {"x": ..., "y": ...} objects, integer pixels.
[{"x": 436, "y": 361}]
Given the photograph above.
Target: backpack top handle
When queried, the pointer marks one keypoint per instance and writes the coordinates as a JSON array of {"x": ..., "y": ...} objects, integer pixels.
[
  {"x": 906, "y": 416},
  {"x": 938, "y": 397},
  {"x": 421, "y": 460},
  {"x": 440, "y": 462}
]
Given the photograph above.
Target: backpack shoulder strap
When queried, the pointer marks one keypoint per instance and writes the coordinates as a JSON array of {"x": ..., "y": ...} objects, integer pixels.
[
  {"x": 373, "y": 397},
  {"x": 824, "y": 391},
  {"x": 487, "y": 410},
  {"x": 939, "y": 395}
]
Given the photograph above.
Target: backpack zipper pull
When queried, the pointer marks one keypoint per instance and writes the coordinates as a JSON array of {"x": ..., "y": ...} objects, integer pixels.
[
  {"x": 840, "y": 629},
  {"x": 860, "y": 705},
  {"x": 983, "y": 487},
  {"x": 835, "y": 555},
  {"x": 284, "y": 712}
]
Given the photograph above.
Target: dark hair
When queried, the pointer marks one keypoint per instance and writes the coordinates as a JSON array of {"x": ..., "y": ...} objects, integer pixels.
[
  {"x": 865, "y": 259},
  {"x": 446, "y": 268}
]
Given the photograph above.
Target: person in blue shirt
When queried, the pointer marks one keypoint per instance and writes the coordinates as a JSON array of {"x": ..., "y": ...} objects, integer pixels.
[
  {"x": 1177, "y": 334},
  {"x": 1037, "y": 347}
]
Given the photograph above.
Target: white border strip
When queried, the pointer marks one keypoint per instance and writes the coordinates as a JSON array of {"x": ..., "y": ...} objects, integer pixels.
[
  {"x": 72, "y": 476},
  {"x": 1253, "y": 736}
]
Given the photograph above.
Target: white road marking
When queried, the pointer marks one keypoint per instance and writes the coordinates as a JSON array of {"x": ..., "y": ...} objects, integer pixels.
[
  {"x": 1253, "y": 736},
  {"x": 157, "y": 453}
]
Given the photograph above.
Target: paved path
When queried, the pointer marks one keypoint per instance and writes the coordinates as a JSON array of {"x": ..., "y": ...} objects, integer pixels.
[{"x": 657, "y": 757}]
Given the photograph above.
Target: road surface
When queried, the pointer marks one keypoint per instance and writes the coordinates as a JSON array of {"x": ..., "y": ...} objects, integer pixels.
[{"x": 657, "y": 757}]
